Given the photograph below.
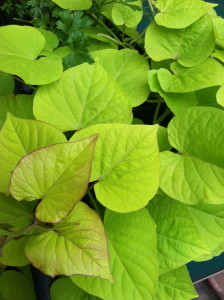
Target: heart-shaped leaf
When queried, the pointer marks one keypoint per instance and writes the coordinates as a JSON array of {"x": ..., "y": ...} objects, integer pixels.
[
  {"x": 183, "y": 80},
  {"x": 74, "y": 5},
  {"x": 178, "y": 44},
  {"x": 179, "y": 13},
  {"x": 125, "y": 164},
  {"x": 133, "y": 258},
  {"x": 58, "y": 174},
  {"x": 20, "y": 47},
  {"x": 84, "y": 95},
  {"x": 129, "y": 69},
  {"x": 191, "y": 175},
  {"x": 76, "y": 245},
  {"x": 19, "y": 137}
]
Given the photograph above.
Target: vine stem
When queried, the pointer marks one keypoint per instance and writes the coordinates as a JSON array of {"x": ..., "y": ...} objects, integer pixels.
[
  {"x": 163, "y": 116},
  {"x": 151, "y": 6}
]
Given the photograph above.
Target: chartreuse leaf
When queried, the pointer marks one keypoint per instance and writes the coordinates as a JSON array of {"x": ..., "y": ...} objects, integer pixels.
[
  {"x": 65, "y": 289},
  {"x": 191, "y": 175},
  {"x": 58, "y": 174},
  {"x": 19, "y": 137},
  {"x": 51, "y": 39},
  {"x": 17, "y": 285},
  {"x": 163, "y": 141},
  {"x": 179, "y": 13},
  {"x": 207, "y": 97},
  {"x": 76, "y": 245},
  {"x": 176, "y": 285},
  {"x": 126, "y": 15},
  {"x": 13, "y": 253},
  {"x": 133, "y": 258},
  {"x": 6, "y": 84},
  {"x": 129, "y": 69},
  {"x": 220, "y": 96},
  {"x": 178, "y": 44},
  {"x": 179, "y": 238},
  {"x": 20, "y": 47},
  {"x": 74, "y": 4},
  {"x": 183, "y": 80},
  {"x": 85, "y": 95},
  {"x": 16, "y": 214},
  {"x": 219, "y": 31},
  {"x": 19, "y": 105},
  {"x": 219, "y": 55},
  {"x": 175, "y": 101},
  {"x": 125, "y": 164}
]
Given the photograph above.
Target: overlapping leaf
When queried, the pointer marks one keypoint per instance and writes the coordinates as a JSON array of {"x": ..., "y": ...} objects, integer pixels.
[
  {"x": 13, "y": 253},
  {"x": 17, "y": 285},
  {"x": 183, "y": 80},
  {"x": 74, "y": 5},
  {"x": 16, "y": 214},
  {"x": 178, "y": 44},
  {"x": 20, "y": 47},
  {"x": 6, "y": 84},
  {"x": 51, "y": 41},
  {"x": 76, "y": 245},
  {"x": 19, "y": 137},
  {"x": 125, "y": 164},
  {"x": 133, "y": 258},
  {"x": 126, "y": 15},
  {"x": 129, "y": 69},
  {"x": 191, "y": 175},
  {"x": 220, "y": 96},
  {"x": 18, "y": 105},
  {"x": 85, "y": 95},
  {"x": 65, "y": 289},
  {"x": 176, "y": 285},
  {"x": 175, "y": 101},
  {"x": 179, "y": 13},
  {"x": 218, "y": 28},
  {"x": 185, "y": 232},
  {"x": 58, "y": 174}
]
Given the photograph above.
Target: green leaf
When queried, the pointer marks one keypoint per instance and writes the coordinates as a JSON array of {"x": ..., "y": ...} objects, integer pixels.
[
  {"x": 51, "y": 39},
  {"x": 125, "y": 15},
  {"x": 76, "y": 245},
  {"x": 178, "y": 44},
  {"x": 83, "y": 96},
  {"x": 179, "y": 13},
  {"x": 191, "y": 175},
  {"x": 74, "y": 5},
  {"x": 65, "y": 289},
  {"x": 183, "y": 80},
  {"x": 18, "y": 214},
  {"x": 58, "y": 174},
  {"x": 125, "y": 164},
  {"x": 17, "y": 285},
  {"x": 175, "y": 101},
  {"x": 20, "y": 47},
  {"x": 19, "y": 137},
  {"x": 219, "y": 29},
  {"x": 13, "y": 253},
  {"x": 6, "y": 84},
  {"x": 207, "y": 97},
  {"x": 129, "y": 69},
  {"x": 19, "y": 105},
  {"x": 219, "y": 55},
  {"x": 178, "y": 238},
  {"x": 133, "y": 258},
  {"x": 163, "y": 141},
  {"x": 176, "y": 285},
  {"x": 220, "y": 96}
]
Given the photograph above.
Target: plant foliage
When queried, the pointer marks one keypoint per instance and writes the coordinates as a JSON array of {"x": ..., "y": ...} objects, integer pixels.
[{"x": 111, "y": 147}]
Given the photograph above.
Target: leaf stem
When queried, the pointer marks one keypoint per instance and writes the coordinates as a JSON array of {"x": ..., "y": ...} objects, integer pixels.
[
  {"x": 21, "y": 20},
  {"x": 151, "y": 6},
  {"x": 93, "y": 201},
  {"x": 156, "y": 112},
  {"x": 163, "y": 116}
]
